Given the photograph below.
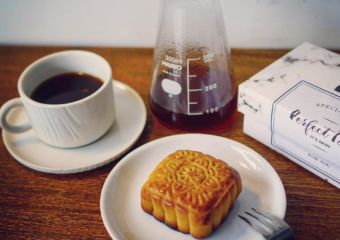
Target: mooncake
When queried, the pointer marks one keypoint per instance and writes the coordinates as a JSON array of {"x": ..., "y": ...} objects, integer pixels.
[{"x": 191, "y": 191}]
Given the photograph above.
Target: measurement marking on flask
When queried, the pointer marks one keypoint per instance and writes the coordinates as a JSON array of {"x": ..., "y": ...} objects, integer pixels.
[
  {"x": 195, "y": 89},
  {"x": 191, "y": 90}
]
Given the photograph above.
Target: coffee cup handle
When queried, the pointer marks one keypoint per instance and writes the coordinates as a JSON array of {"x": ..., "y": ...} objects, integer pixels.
[{"x": 5, "y": 109}]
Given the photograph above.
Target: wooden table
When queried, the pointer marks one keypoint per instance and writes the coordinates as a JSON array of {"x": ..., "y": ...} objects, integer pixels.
[{"x": 36, "y": 205}]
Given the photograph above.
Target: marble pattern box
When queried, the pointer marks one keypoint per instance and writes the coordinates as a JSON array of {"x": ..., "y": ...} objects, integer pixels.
[{"x": 293, "y": 106}]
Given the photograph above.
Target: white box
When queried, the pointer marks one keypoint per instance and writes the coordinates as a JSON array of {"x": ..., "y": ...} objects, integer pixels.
[{"x": 293, "y": 106}]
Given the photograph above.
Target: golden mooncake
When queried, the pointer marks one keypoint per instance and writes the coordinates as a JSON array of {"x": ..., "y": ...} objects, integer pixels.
[{"x": 191, "y": 192}]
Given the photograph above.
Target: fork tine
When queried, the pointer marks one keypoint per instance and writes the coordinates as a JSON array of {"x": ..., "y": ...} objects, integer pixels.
[
  {"x": 268, "y": 222},
  {"x": 258, "y": 226},
  {"x": 270, "y": 226},
  {"x": 275, "y": 220}
]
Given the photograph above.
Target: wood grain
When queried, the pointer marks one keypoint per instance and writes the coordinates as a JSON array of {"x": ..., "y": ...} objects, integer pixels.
[{"x": 35, "y": 205}]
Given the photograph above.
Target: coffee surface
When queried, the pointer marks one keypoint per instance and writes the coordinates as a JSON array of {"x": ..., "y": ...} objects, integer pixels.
[{"x": 66, "y": 88}]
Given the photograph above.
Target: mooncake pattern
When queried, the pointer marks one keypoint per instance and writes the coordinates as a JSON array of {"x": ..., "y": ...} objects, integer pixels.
[{"x": 191, "y": 191}]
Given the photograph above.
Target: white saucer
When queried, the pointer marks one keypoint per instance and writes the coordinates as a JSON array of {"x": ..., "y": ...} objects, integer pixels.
[
  {"x": 120, "y": 207},
  {"x": 130, "y": 120}
]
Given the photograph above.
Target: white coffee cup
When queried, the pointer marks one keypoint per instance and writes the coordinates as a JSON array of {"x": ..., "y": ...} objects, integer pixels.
[{"x": 71, "y": 124}]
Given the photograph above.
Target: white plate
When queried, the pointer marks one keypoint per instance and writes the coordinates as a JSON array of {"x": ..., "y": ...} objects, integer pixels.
[
  {"x": 120, "y": 197},
  {"x": 129, "y": 124}
]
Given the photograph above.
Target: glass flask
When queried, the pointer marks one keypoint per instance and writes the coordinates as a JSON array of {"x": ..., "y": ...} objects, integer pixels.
[{"x": 192, "y": 84}]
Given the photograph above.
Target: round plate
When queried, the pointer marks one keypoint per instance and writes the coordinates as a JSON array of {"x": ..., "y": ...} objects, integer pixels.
[
  {"x": 120, "y": 198},
  {"x": 33, "y": 153}
]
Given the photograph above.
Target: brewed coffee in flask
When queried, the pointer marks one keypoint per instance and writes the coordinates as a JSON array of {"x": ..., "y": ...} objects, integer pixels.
[{"x": 192, "y": 83}]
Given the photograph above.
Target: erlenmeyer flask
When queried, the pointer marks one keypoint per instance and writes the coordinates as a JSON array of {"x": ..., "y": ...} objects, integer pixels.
[{"x": 192, "y": 83}]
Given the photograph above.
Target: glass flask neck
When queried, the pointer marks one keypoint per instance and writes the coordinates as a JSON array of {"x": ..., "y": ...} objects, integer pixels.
[
  {"x": 191, "y": 22},
  {"x": 191, "y": 5}
]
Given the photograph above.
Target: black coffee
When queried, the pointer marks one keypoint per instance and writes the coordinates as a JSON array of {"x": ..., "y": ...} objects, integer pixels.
[{"x": 65, "y": 88}]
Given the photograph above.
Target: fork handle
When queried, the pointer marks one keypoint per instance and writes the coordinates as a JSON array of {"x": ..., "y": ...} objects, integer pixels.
[{"x": 286, "y": 234}]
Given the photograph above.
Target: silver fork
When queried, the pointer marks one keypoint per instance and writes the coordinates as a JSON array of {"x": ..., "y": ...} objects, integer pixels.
[{"x": 268, "y": 225}]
